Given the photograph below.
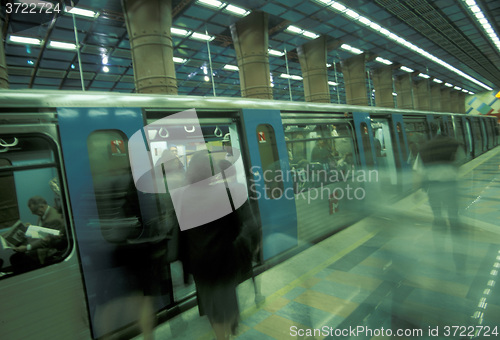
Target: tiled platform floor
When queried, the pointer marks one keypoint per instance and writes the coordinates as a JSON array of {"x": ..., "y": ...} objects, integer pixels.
[{"x": 388, "y": 272}]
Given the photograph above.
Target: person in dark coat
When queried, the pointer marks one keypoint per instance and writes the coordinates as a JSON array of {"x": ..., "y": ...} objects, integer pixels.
[{"x": 210, "y": 229}]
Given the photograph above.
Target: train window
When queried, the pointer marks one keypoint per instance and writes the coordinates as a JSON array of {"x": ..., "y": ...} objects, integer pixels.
[
  {"x": 33, "y": 228},
  {"x": 270, "y": 161},
  {"x": 478, "y": 138},
  {"x": 416, "y": 134},
  {"x": 490, "y": 133},
  {"x": 315, "y": 152},
  {"x": 116, "y": 196},
  {"x": 459, "y": 132}
]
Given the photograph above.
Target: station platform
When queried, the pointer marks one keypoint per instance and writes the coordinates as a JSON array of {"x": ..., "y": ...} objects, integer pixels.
[{"x": 391, "y": 275}]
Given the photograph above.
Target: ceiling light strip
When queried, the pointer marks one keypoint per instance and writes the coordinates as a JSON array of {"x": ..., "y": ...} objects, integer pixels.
[
  {"x": 483, "y": 21},
  {"x": 298, "y": 30},
  {"x": 354, "y": 16}
]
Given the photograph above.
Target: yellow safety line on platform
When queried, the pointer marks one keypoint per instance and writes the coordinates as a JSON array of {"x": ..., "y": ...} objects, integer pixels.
[{"x": 308, "y": 275}]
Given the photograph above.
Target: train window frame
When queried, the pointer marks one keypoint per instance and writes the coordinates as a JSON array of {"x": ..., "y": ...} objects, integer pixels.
[
  {"x": 270, "y": 161},
  {"x": 54, "y": 194},
  {"x": 307, "y": 173}
]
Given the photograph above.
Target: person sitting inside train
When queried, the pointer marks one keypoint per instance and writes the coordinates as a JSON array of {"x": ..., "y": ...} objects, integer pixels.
[{"x": 41, "y": 250}]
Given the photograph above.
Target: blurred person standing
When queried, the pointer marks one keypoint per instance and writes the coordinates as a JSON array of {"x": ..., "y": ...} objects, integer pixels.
[
  {"x": 437, "y": 165},
  {"x": 210, "y": 228}
]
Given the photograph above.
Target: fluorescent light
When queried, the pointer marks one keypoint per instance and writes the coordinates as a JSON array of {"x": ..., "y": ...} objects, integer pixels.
[
  {"x": 105, "y": 69},
  {"x": 423, "y": 75},
  {"x": 62, "y": 45},
  {"x": 457, "y": 88},
  {"x": 383, "y": 61},
  {"x": 448, "y": 85},
  {"x": 25, "y": 40},
  {"x": 406, "y": 69},
  {"x": 364, "y": 21},
  {"x": 376, "y": 27},
  {"x": 231, "y": 67},
  {"x": 481, "y": 18},
  {"x": 211, "y": 3},
  {"x": 206, "y": 78},
  {"x": 310, "y": 34},
  {"x": 352, "y": 14},
  {"x": 294, "y": 77},
  {"x": 338, "y": 6},
  {"x": 439, "y": 81},
  {"x": 237, "y": 10},
  {"x": 351, "y": 49},
  {"x": 294, "y": 29},
  {"x": 276, "y": 53},
  {"x": 179, "y": 60},
  {"x": 394, "y": 94},
  {"x": 470, "y": 92},
  {"x": 204, "y": 37},
  {"x": 332, "y": 83},
  {"x": 465, "y": 91},
  {"x": 82, "y": 12},
  {"x": 179, "y": 31}
]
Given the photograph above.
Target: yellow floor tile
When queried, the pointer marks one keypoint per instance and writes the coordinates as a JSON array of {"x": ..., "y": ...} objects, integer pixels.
[
  {"x": 327, "y": 303},
  {"x": 354, "y": 280}
]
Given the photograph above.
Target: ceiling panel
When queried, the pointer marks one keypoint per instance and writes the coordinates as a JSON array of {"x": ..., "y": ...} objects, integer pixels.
[{"x": 442, "y": 27}]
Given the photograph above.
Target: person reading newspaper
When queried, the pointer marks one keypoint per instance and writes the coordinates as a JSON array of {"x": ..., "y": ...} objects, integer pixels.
[{"x": 45, "y": 240}]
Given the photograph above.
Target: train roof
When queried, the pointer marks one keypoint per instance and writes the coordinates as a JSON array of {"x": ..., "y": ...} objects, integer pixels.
[{"x": 53, "y": 99}]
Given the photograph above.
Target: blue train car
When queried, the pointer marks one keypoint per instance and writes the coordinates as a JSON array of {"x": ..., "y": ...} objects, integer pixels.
[{"x": 308, "y": 169}]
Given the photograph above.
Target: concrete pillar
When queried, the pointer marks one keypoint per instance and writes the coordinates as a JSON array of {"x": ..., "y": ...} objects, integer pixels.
[
  {"x": 312, "y": 57},
  {"x": 435, "y": 97},
  {"x": 461, "y": 102},
  {"x": 382, "y": 82},
  {"x": 354, "y": 73},
  {"x": 250, "y": 38},
  {"x": 404, "y": 89},
  {"x": 423, "y": 95},
  {"x": 445, "y": 100},
  {"x": 148, "y": 25},
  {"x": 4, "y": 79},
  {"x": 454, "y": 101}
]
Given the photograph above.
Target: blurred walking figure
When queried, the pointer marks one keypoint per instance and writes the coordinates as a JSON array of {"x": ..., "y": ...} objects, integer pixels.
[
  {"x": 438, "y": 163},
  {"x": 211, "y": 228}
]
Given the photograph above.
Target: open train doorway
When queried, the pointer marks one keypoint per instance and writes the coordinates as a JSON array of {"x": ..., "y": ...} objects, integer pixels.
[{"x": 384, "y": 153}]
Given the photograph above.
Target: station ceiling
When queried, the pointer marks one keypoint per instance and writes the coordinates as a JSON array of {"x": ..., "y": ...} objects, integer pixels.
[{"x": 441, "y": 38}]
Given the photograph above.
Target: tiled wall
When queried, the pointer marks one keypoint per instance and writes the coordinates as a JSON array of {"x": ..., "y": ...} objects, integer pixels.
[{"x": 483, "y": 104}]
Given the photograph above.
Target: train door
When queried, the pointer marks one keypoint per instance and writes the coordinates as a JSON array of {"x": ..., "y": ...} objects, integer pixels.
[
  {"x": 490, "y": 133},
  {"x": 322, "y": 158},
  {"x": 402, "y": 152},
  {"x": 476, "y": 136},
  {"x": 364, "y": 138},
  {"x": 384, "y": 152},
  {"x": 446, "y": 127},
  {"x": 180, "y": 136},
  {"x": 271, "y": 184},
  {"x": 39, "y": 281},
  {"x": 484, "y": 134},
  {"x": 459, "y": 135}
]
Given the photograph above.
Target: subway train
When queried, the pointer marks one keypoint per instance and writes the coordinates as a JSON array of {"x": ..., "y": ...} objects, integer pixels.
[{"x": 309, "y": 170}]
